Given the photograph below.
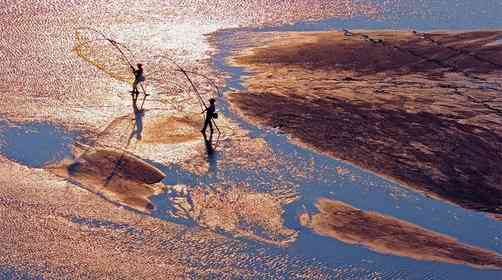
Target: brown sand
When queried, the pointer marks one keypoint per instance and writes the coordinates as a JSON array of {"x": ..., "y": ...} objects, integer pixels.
[
  {"x": 117, "y": 175},
  {"x": 172, "y": 130},
  {"x": 426, "y": 114},
  {"x": 399, "y": 52},
  {"x": 149, "y": 128},
  {"x": 389, "y": 235}
]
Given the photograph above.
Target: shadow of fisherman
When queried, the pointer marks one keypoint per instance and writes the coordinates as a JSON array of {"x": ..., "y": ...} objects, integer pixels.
[
  {"x": 212, "y": 159},
  {"x": 138, "y": 119}
]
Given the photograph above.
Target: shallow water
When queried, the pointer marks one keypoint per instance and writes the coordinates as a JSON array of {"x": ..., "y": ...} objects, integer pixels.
[
  {"x": 37, "y": 143},
  {"x": 11, "y": 273}
]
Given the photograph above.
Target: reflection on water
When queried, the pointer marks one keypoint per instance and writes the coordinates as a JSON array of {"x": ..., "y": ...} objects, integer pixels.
[
  {"x": 138, "y": 118},
  {"x": 52, "y": 83},
  {"x": 212, "y": 159}
]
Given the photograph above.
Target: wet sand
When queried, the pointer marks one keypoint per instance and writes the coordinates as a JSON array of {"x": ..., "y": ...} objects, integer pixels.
[
  {"x": 173, "y": 130},
  {"x": 422, "y": 109},
  {"x": 389, "y": 235},
  {"x": 237, "y": 210},
  {"x": 59, "y": 227},
  {"x": 117, "y": 175}
]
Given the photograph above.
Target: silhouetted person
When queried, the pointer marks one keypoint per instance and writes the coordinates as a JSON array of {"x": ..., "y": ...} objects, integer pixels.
[
  {"x": 139, "y": 77},
  {"x": 210, "y": 114}
]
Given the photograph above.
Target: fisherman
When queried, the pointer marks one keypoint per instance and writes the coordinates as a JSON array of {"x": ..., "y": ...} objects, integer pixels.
[
  {"x": 210, "y": 114},
  {"x": 138, "y": 78}
]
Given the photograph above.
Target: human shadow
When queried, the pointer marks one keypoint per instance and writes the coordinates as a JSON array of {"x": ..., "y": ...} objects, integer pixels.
[
  {"x": 139, "y": 113},
  {"x": 212, "y": 156}
]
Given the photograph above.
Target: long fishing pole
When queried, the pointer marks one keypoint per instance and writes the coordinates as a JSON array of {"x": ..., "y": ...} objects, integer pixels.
[
  {"x": 209, "y": 80},
  {"x": 115, "y": 44},
  {"x": 195, "y": 90},
  {"x": 201, "y": 101}
]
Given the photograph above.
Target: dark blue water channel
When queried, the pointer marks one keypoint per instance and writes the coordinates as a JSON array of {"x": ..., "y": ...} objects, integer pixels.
[{"x": 9, "y": 273}]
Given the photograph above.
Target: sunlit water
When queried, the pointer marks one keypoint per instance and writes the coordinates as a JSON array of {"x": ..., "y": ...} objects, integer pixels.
[{"x": 182, "y": 26}]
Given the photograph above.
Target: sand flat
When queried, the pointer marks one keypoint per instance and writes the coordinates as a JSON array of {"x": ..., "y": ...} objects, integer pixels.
[
  {"x": 422, "y": 109},
  {"x": 117, "y": 175},
  {"x": 389, "y": 235}
]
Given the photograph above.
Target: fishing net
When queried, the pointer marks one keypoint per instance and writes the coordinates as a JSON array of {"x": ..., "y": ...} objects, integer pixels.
[
  {"x": 109, "y": 56},
  {"x": 180, "y": 85}
]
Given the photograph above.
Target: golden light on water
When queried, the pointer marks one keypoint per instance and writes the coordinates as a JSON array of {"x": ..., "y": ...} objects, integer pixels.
[{"x": 230, "y": 210}]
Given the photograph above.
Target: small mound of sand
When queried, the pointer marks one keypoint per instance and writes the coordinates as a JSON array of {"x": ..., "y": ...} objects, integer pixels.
[
  {"x": 389, "y": 235},
  {"x": 145, "y": 128},
  {"x": 117, "y": 175}
]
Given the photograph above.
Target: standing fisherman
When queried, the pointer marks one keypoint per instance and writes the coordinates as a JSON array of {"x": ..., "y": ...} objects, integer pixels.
[
  {"x": 138, "y": 78},
  {"x": 210, "y": 114}
]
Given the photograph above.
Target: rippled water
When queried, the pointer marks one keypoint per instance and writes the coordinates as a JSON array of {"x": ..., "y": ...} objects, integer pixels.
[{"x": 45, "y": 80}]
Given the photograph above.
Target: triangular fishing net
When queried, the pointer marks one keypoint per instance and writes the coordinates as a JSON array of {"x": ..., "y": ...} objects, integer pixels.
[
  {"x": 182, "y": 86},
  {"x": 107, "y": 55}
]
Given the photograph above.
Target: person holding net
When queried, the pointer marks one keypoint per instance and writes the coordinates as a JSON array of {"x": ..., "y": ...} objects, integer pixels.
[
  {"x": 210, "y": 115},
  {"x": 139, "y": 77}
]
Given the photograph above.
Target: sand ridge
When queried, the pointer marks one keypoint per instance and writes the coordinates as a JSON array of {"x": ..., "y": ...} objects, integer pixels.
[{"x": 389, "y": 235}]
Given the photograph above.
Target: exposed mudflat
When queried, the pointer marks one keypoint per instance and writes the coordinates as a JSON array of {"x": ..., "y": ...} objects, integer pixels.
[
  {"x": 389, "y": 235},
  {"x": 75, "y": 232},
  {"x": 423, "y": 109},
  {"x": 81, "y": 159},
  {"x": 117, "y": 175}
]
